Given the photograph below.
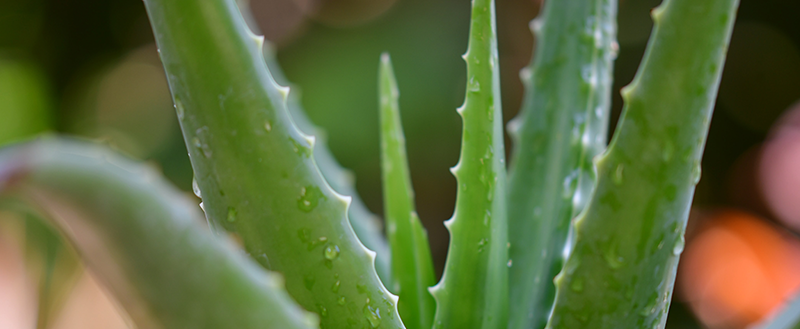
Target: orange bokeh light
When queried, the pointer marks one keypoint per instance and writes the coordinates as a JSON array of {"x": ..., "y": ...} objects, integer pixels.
[{"x": 738, "y": 269}]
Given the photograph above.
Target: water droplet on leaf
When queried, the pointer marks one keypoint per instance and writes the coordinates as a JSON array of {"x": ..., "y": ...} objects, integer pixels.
[
  {"x": 373, "y": 315},
  {"x": 309, "y": 198},
  {"x": 195, "y": 188},
  {"x": 316, "y": 243},
  {"x": 331, "y": 252},
  {"x": 679, "y": 244},
  {"x": 697, "y": 171},
  {"x": 473, "y": 85},
  {"x": 179, "y": 108}
]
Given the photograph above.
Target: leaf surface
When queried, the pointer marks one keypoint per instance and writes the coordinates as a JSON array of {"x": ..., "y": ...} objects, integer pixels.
[
  {"x": 412, "y": 266},
  {"x": 145, "y": 241},
  {"x": 621, "y": 271},
  {"x": 255, "y": 170}
]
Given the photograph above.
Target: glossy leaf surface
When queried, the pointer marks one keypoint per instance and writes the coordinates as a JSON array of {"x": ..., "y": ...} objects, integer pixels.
[
  {"x": 473, "y": 291},
  {"x": 562, "y": 126},
  {"x": 621, "y": 271},
  {"x": 255, "y": 170}
]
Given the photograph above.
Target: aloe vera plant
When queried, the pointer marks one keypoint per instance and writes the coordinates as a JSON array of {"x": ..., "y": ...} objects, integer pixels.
[{"x": 605, "y": 225}]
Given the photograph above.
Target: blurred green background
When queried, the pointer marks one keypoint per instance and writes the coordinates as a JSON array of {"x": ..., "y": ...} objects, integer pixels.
[{"x": 90, "y": 68}]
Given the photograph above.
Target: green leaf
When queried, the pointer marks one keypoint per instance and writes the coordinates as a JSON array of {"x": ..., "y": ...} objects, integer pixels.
[
  {"x": 621, "y": 271},
  {"x": 473, "y": 291},
  {"x": 562, "y": 125},
  {"x": 146, "y": 242},
  {"x": 255, "y": 170},
  {"x": 412, "y": 266},
  {"x": 55, "y": 265},
  {"x": 366, "y": 225}
]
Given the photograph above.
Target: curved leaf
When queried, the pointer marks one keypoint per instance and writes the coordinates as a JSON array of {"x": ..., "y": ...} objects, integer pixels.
[{"x": 144, "y": 240}]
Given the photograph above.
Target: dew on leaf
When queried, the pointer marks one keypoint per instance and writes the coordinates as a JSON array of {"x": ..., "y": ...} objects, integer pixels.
[
  {"x": 679, "y": 244},
  {"x": 473, "y": 85},
  {"x": 331, "y": 251},
  {"x": 697, "y": 171},
  {"x": 309, "y": 198},
  {"x": 195, "y": 188},
  {"x": 196, "y": 142},
  {"x": 179, "y": 108},
  {"x": 313, "y": 244},
  {"x": 373, "y": 315}
]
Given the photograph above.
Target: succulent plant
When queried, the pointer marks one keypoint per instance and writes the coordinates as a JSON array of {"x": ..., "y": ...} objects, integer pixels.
[{"x": 575, "y": 235}]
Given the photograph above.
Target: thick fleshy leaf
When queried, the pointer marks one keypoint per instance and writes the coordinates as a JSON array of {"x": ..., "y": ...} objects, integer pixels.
[
  {"x": 366, "y": 225},
  {"x": 621, "y": 271},
  {"x": 146, "y": 242},
  {"x": 561, "y": 127},
  {"x": 473, "y": 291},
  {"x": 255, "y": 170}
]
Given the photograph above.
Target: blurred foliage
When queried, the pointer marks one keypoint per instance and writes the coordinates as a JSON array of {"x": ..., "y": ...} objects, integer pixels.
[
  {"x": 89, "y": 67},
  {"x": 25, "y": 102}
]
